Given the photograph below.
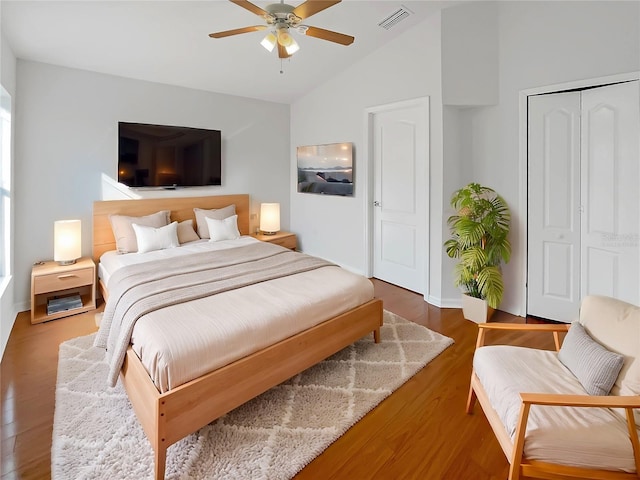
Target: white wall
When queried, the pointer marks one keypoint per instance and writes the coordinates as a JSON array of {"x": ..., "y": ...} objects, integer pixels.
[
  {"x": 455, "y": 175},
  {"x": 66, "y": 138},
  {"x": 7, "y": 304},
  {"x": 407, "y": 67},
  {"x": 470, "y": 51},
  {"x": 542, "y": 43},
  {"x": 538, "y": 43}
]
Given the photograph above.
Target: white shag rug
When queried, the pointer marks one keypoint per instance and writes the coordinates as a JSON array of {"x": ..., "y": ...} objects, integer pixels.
[{"x": 96, "y": 434}]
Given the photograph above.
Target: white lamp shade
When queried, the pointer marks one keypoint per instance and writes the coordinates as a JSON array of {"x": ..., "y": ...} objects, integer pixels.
[
  {"x": 284, "y": 37},
  {"x": 269, "y": 42},
  {"x": 269, "y": 217},
  {"x": 292, "y": 48},
  {"x": 67, "y": 244}
]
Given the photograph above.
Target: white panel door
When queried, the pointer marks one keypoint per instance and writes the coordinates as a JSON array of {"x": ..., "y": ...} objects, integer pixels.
[
  {"x": 583, "y": 199},
  {"x": 553, "y": 284},
  {"x": 400, "y": 192},
  {"x": 610, "y": 191}
]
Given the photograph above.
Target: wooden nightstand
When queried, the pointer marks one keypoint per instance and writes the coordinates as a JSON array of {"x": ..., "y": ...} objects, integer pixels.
[
  {"x": 285, "y": 239},
  {"x": 50, "y": 281}
]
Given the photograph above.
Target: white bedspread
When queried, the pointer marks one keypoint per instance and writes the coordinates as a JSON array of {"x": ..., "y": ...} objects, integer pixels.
[
  {"x": 112, "y": 261},
  {"x": 182, "y": 342}
]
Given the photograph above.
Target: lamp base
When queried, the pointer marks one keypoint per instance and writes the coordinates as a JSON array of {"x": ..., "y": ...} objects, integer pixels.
[
  {"x": 66, "y": 262},
  {"x": 267, "y": 233}
]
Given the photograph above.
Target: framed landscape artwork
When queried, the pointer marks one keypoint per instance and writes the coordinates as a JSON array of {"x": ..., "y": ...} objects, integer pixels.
[{"x": 326, "y": 169}]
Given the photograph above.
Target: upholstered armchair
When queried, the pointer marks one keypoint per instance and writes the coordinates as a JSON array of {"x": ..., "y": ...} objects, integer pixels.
[{"x": 569, "y": 413}]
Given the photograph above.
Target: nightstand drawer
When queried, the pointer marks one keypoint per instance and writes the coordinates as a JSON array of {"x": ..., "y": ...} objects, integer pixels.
[
  {"x": 287, "y": 242},
  {"x": 282, "y": 238},
  {"x": 62, "y": 281}
]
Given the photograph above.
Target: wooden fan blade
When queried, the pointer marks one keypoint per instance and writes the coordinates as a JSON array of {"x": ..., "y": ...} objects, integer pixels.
[
  {"x": 336, "y": 37},
  {"x": 311, "y": 7},
  {"x": 228, "y": 33},
  {"x": 251, "y": 7},
  {"x": 282, "y": 52}
]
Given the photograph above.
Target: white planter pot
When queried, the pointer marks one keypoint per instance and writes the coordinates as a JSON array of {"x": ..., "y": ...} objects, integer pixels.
[{"x": 476, "y": 309}]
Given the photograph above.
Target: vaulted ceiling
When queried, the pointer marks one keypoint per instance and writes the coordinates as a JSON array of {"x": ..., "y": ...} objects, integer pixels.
[{"x": 168, "y": 42}]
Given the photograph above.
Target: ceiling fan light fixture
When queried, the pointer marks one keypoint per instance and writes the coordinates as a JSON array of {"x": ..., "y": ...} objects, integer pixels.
[
  {"x": 269, "y": 42},
  {"x": 280, "y": 19},
  {"x": 284, "y": 38},
  {"x": 292, "y": 48}
]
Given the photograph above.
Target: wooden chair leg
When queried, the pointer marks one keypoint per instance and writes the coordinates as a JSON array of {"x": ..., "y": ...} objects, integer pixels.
[{"x": 471, "y": 399}]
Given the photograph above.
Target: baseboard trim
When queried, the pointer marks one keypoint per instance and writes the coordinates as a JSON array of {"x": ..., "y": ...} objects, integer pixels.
[
  {"x": 22, "y": 307},
  {"x": 444, "y": 302}
]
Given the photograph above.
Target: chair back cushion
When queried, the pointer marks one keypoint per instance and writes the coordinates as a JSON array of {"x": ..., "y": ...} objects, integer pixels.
[{"x": 616, "y": 326}]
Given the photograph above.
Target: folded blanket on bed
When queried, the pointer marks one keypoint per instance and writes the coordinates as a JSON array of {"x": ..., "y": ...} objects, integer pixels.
[{"x": 139, "y": 289}]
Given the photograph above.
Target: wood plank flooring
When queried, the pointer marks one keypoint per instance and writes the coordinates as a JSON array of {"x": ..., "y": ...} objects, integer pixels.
[{"x": 419, "y": 432}]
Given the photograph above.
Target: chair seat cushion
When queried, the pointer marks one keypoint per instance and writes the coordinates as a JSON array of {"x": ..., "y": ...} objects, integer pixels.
[{"x": 575, "y": 436}]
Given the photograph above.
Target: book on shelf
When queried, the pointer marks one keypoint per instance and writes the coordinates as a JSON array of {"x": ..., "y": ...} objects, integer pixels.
[{"x": 62, "y": 304}]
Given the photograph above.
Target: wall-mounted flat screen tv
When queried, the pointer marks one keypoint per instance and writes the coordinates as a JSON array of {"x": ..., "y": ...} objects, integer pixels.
[
  {"x": 326, "y": 169},
  {"x": 168, "y": 156}
]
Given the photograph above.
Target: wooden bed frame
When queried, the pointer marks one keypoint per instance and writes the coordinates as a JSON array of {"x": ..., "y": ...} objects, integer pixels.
[{"x": 169, "y": 417}]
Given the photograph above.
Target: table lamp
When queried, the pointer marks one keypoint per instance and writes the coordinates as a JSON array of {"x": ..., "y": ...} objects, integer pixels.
[
  {"x": 67, "y": 245},
  {"x": 269, "y": 218}
]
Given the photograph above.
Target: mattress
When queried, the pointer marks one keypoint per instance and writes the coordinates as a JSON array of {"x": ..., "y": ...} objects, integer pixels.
[{"x": 182, "y": 342}]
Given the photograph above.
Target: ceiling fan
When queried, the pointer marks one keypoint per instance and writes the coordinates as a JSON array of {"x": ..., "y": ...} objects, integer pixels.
[{"x": 280, "y": 18}]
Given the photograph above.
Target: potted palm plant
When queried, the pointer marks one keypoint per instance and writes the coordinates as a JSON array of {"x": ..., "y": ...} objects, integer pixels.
[{"x": 479, "y": 231}]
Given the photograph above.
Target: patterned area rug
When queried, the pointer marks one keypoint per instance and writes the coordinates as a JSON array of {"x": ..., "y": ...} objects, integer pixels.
[{"x": 96, "y": 434}]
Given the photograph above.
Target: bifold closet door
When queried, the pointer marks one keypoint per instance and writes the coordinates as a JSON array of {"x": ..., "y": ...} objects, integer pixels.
[
  {"x": 553, "y": 259},
  {"x": 583, "y": 199},
  {"x": 610, "y": 172}
]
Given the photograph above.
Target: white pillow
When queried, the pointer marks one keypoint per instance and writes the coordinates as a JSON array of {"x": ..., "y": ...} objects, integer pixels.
[
  {"x": 123, "y": 231},
  {"x": 226, "y": 229},
  {"x": 150, "y": 238},
  {"x": 593, "y": 365}
]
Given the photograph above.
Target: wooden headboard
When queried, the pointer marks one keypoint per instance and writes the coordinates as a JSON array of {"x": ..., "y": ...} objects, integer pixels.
[{"x": 181, "y": 209}]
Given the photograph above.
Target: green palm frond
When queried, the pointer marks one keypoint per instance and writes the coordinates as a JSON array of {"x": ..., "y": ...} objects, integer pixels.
[
  {"x": 491, "y": 285},
  {"x": 452, "y": 247},
  {"x": 474, "y": 258},
  {"x": 468, "y": 232}
]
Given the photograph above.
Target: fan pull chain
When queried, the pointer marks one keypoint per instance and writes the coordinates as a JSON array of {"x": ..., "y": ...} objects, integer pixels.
[{"x": 281, "y": 69}]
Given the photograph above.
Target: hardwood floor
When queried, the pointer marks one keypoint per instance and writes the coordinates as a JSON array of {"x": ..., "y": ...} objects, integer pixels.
[{"x": 419, "y": 432}]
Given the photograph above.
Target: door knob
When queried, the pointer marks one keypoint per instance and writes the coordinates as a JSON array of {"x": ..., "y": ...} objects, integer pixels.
[{"x": 376, "y": 204}]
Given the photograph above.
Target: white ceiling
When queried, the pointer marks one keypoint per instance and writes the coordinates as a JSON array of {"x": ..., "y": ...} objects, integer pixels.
[{"x": 168, "y": 42}]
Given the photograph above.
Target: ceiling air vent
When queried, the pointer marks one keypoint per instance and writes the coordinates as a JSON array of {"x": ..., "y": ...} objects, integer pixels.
[{"x": 393, "y": 19}]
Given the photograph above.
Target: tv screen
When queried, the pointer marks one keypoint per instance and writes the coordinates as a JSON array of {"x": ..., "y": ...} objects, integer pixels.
[{"x": 168, "y": 156}]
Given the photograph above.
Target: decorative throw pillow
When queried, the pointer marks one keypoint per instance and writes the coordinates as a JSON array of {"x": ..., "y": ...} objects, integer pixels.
[
  {"x": 226, "y": 229},
  {"x": 123, "y": 230},
  {"x": 151, "y": 238},
  {"x": 217, "y": 213},
  {"x": 186, "y": 233},
  {"x": 593, "y": 365}
]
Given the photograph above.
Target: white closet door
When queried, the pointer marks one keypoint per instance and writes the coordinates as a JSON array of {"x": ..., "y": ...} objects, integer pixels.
[
  {"x": 553, "y": 284},
  {"x": 584, "y": 200},
  {"x": 610, "y": 191}
]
